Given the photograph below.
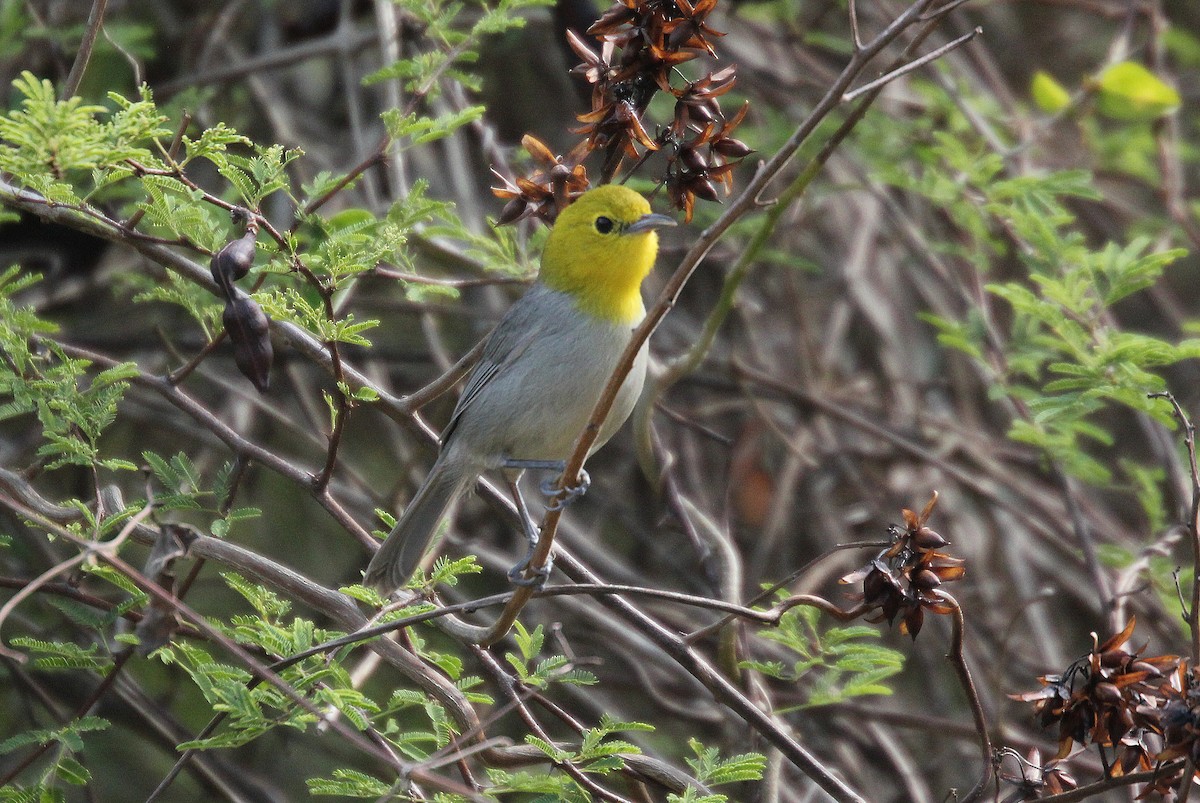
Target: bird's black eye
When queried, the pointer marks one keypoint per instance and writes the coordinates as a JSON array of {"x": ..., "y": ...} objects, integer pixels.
[{"x": 604, "y": 225}]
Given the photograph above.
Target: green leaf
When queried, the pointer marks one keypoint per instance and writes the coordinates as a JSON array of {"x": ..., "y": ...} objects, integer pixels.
[
  {"x": 1049, "y": 95},
  {"x": 1129, "y": 91},
  {"x": 71, "y": 771}
]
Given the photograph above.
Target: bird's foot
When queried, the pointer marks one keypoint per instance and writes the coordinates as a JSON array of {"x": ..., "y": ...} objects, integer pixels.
[
  {"x": 516, "y": 575},
  {"x": 569, "y": 494}
]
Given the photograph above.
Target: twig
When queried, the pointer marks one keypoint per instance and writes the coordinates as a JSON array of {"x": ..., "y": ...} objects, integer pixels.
[
  {"x": 508, "y": 687},
  {"x": 89, "y": 549},
  {"x": 235, "y": 441},
  {"x": 341, "y": 413},
  {"x": 84, "y": 54},
  {"x": 101, "y": 689},
  {"x": 958, "y": 660},
  {"x": 1113, "y": 782},
  {"x": 148, "y": 586},
  {"x": 1192, "y": 616},
  {"x": 377, "y": 156},
  {"x": 719, "y": 686},
  {"x": 916, "y": 64},
  {"x": 456, "y": 284}
]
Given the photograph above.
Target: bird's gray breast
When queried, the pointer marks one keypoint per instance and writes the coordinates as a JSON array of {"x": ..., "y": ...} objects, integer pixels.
[{"x": 539, "y": 379}]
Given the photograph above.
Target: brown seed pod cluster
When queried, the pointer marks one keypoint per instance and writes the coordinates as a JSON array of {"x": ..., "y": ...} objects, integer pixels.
[
  {"x": 901, "y": 581},
  {"x": 1033, "y": 778},
  {"x": 642, "y": 44},
  {"x": 1138, "y": 711},
  {"x": 248, "y": 327}
]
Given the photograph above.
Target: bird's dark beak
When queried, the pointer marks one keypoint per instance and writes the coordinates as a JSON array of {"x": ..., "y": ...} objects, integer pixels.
[{"x": 649, "y": 223}]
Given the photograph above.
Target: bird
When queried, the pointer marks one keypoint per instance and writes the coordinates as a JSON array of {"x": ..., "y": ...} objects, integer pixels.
[{"x": 541, "y": 371}]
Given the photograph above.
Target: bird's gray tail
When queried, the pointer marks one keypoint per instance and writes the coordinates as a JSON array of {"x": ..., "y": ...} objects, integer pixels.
[{"x": 406, "y": 544}]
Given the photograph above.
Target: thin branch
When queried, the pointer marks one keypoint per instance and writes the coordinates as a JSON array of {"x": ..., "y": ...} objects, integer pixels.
[
  {"x": 238, "y": 444},
  {"x": 84, "y": 54},
  {"x": 508, "y": 687},
  {"x": 931, "y": 56},
  {"x": 89, "y": 549},
  {"x": 958, "y": 660},
  {"x": 1113, "y": 782},
  {"x": 83, "y": 710},
  {"x": 1192, "y": 615},
  {"x": 722, "y": 690}
]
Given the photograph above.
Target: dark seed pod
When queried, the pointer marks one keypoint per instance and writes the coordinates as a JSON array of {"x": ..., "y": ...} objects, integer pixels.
[
  {"x": 513, "y": 211},
  {"x": 926, "y": 538},
  {"x": 692, "y": 159},
  {"x": 1142, "y": 666},
  {"x": 875, "y": 587},
  {"x": 913, "y": 619},
  {"x": 926, "y": 580},
  {"x": 701, "y": 113},
  {"x": 1108, "y": 693},
  {"x": 704, "y": 189},
  {"x": 233, "y": 261},
  {"x": 1114, "y": 658},
  {"x": 249, "y": 330},
  {"x": 732, "y": 148},
  {"x": 560, "y": 173}
]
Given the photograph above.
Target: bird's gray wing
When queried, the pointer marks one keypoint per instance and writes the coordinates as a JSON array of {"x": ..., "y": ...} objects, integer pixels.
[{"x": 508, "y": 341}]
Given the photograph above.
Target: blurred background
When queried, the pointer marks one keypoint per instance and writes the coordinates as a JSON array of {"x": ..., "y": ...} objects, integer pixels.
[{"x": 825, "y": 405}]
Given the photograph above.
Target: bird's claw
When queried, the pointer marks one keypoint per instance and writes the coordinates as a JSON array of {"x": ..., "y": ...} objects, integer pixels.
[
  {"x": 516, "y": 575},
  {"x": 569, "y": 494}
]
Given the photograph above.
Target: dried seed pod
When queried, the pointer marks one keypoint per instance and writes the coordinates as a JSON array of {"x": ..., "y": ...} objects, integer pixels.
[
  {"x": 1142, "y": 666},
  {"x": 1114, "y": 658},
  {"x": 233, "y": 261},
  {"x": 926, "y": 538},
  {"x": 732, "y": 148},
  {"x": 692, "y": 159},
  {"x": 703, "y": 188},
  {"x": 925, "y": 580},
  {"x": 513, "y": 211},
  {"x": 249, "y": 330}
]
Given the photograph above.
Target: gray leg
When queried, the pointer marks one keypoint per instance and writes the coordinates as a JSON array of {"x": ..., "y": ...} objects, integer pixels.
[
  {"x": 547, "y": 486},
  {"x": 516, "y": 573},
  {"x": 542, "y": 465}
]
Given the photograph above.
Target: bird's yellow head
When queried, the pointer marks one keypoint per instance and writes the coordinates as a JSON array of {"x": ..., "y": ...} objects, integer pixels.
[{"x": 601, "y": 248}]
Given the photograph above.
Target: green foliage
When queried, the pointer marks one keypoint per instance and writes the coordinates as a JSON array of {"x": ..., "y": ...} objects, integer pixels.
[
  {"x": 65, "y": 768},
  {"x": 549, "y": 787},
  {"x": 1049, "y": 95},
  {"x": 252, "y": 710},
  {"x": 63, "y": 655},
  {"x": 550, "y": 670},
  {"x": 454, "y": 43},
  {"x": 1129, "y": 91},
  {"x": 47, "y": 143},
  {"x": 37, "y": 376},
  {"x": 1062, "y": 357},
  {"x": 181, "y": 487},
  {"x": 348, "y": 783},
  {"x": 836, "y": 664},
  {"x": 418, "y": 130}
]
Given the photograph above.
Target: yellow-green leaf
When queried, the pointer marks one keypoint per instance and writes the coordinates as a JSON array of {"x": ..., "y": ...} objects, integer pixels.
[
  {"x": 1049, "y": 95},
  {"x": 1128, "y": 91}
]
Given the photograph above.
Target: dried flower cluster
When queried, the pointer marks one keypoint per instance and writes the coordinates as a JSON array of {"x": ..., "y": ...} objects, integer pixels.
[
  {"x": 1138, "y": 711},
  {"x": 246, "y": 324},
  {"x": 903, "y": 579},
  {"x": 653, "y": 37},
  {"x": 1033, "y": 778}
]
